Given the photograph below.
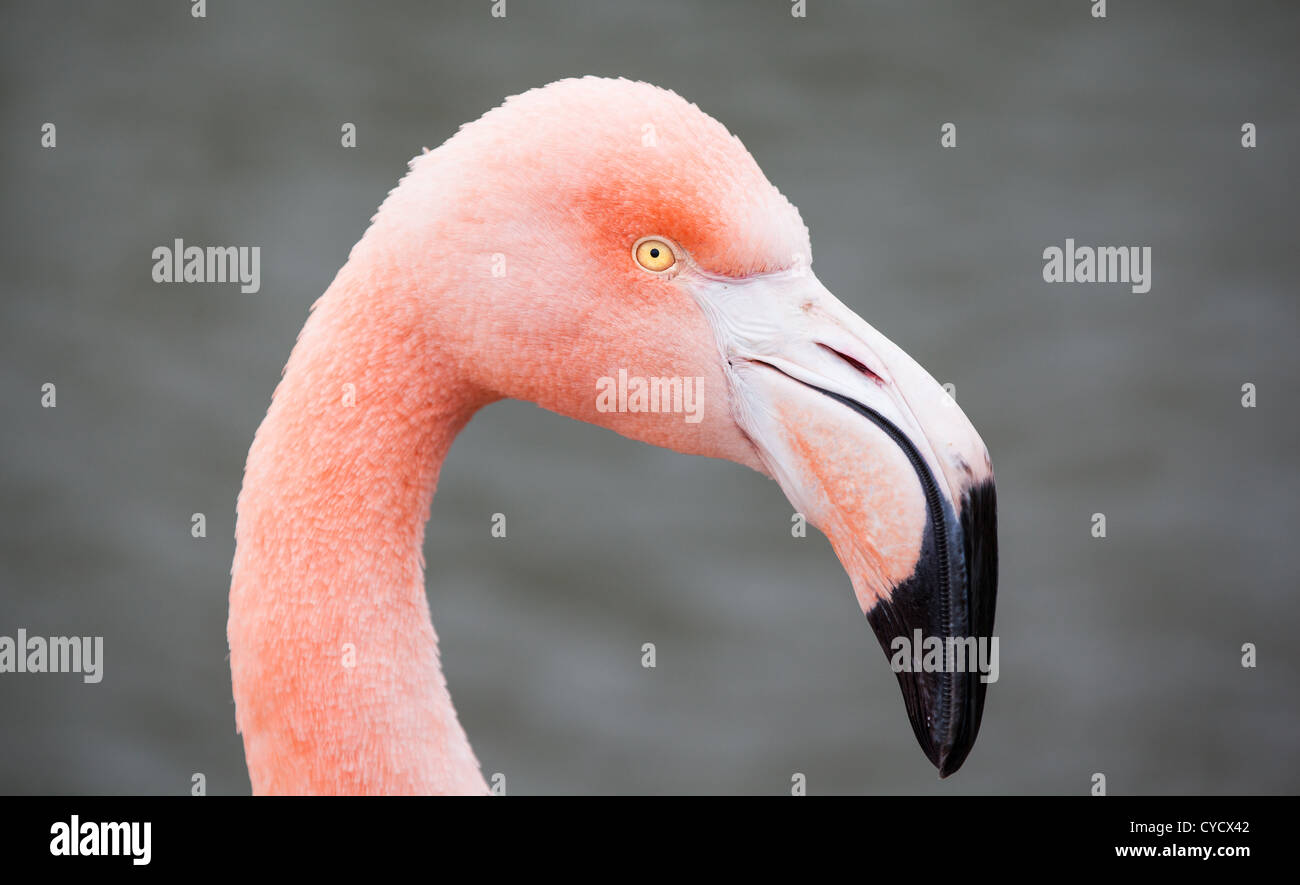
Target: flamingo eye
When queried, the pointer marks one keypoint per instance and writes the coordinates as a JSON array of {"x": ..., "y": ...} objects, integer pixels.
[{"x": 654, "y": 255}]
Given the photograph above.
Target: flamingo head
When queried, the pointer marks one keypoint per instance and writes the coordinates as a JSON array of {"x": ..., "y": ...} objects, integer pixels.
[{"x": 631, "y": 266}]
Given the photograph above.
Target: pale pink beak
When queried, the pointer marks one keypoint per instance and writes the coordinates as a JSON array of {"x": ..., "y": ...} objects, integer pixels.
[{"x": 875, "y": 453}]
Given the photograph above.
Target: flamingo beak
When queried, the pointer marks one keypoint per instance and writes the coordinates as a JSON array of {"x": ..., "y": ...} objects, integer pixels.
[{"x": 875, "y": 453}]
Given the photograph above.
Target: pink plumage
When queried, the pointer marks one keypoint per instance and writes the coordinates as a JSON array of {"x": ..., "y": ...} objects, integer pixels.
[{"x": 501, "y": 266}]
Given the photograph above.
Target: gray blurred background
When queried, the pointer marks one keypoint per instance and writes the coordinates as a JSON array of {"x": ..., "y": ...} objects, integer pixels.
[{"x": 1119, "y": 656}]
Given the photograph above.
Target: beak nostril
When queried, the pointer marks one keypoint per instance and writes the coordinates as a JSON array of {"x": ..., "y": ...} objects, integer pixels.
[{"x": 854, "y": 363}]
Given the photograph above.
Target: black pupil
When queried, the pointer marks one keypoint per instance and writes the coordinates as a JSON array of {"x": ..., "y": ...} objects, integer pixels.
[{"x": 654, "y": 253}]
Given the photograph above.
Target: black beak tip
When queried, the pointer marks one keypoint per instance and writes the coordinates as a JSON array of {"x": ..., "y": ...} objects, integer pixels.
[
  {"x": 951, "y": 760},
  {"x": 945, "y": 707},
  {"x": 945, "y": 757}
]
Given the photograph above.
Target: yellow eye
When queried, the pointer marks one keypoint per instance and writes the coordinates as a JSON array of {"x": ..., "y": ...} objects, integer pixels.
[{"x": 654, "y": 255}]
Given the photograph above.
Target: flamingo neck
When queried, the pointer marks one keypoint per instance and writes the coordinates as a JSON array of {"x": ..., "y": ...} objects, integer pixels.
[{"x": 333, "y": 656}]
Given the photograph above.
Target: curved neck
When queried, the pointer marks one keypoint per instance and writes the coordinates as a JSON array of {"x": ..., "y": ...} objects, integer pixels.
[{"x": 333, "y": 656}]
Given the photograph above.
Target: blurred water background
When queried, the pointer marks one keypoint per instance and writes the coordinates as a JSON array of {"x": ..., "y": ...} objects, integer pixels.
[{"x": 1119, "y": 656}]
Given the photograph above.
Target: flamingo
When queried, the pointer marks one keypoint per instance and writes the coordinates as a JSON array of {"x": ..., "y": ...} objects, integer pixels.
[{"x": 580, "y": 229}]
